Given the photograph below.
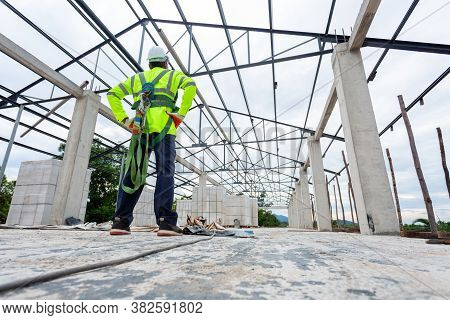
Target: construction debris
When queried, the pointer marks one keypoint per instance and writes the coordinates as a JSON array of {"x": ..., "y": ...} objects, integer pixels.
[{"x": 199, "y": 226}]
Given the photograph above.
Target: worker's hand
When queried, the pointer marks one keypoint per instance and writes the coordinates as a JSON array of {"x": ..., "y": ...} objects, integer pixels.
[
  {"x": 177, "y": 118},
  {"x": 128, "y": 122}
]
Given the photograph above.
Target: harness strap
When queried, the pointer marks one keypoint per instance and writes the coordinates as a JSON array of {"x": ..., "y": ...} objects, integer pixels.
[
  {"x": 162, "y": 101},
  {"x": 159, "y": 76},
  {"x": 134, "y": 157},
  {"x": 138, "y": 154},
  {"x": 133, "y": 162}
]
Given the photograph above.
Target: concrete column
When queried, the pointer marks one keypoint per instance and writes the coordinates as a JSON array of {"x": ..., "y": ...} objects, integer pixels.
[
  {"x": 323, "y": 214},
  {"x": 306, "y": 220},
  {"x": 373, "y": 197},
  {"x": 202, "y": 180},
  {"x": 70, "y": 184},
  {"x": 297, "y": 199},
  {"x": 291, "y": 217},
  {"x": 296, "y": 207}
]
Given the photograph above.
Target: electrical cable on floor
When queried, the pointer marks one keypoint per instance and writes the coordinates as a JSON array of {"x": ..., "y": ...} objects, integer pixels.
[{"x": 22, "y": 283}]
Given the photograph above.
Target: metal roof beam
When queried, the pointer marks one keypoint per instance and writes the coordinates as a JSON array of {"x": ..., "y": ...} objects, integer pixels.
[{"x": 330, "y": 38}]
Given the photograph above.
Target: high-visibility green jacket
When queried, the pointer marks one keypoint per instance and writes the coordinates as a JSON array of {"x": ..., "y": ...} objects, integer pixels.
[{"x": 166, "y": 89}]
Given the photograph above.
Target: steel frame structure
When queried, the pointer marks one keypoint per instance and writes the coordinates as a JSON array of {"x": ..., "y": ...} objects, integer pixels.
[{"x": 236, "y": 174}]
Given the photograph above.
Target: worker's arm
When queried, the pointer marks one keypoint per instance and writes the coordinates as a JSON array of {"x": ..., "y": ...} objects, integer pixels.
[
  {"x": 115, "y": 97},
  {"x": 190, "y": 90}
]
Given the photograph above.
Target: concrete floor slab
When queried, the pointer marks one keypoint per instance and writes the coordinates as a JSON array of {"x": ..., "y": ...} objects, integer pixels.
[{"x": 278, "y": 264}]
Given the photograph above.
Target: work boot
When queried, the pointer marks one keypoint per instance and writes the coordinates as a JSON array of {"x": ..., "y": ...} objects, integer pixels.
[
  {"x": 168, "y": 230},
  {"x": 119, "y": 228}
]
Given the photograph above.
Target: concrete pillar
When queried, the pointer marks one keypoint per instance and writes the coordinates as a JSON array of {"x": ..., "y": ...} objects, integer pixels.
[
  {"x": 323, "y": 214},
  {"x": 296, "y": 207},
  {"x": 70, "y": 184},
  {"x": 306, "y": 220},
  {"x": 373, "y": 197},
  {"x": 291, "y": 213},
  {"x": 202, "y": 180}
]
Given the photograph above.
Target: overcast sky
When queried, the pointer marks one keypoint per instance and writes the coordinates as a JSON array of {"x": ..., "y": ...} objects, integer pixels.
[{"x": 401, "y": 72}]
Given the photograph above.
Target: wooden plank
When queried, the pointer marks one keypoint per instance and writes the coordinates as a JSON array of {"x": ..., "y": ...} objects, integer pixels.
[
  {"x": 336, "y": 205},
  {"x": 417, "y": 165},
  {"x": 349, "y": 181},
  {"x": 394, "y": 186},
  {"x": 362, "y": 24},
  {"x": 444, "y": 161},
  {"x": 329, "y": 106},
  {"x": 328, "y": 196},
  {"x": 350, "y": 200},
  {"x": 340, "y": 198},
  {"x": 306, "y": 164}
]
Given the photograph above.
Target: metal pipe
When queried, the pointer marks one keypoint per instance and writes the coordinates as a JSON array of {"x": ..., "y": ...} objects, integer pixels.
[
  {"x": 274, "y": 84},
  {"x": 248, "y": 46},
  {"x": 326, "y": 135},
  {"x": 262, "y": 63},
  {"x": 108, "y": 33},
  {"x": 142, "y": 43},
  {"x": 190, "y": 49},
  {"x": 95, "y": 70},
  {"x": 10, "y": 143},
  {"x": 436, "y": 48}
]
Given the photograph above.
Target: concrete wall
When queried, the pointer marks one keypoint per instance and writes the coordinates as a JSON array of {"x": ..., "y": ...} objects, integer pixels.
[
  {"x": 34, "y": 193},
  {"x": 294, "y": 208},
  {"x": 208, "y": 202},
  {"x": 238, "y": 207},
  {"x": 144, "y": 213},
  {"x": 254, "y": 203},
  {"x": 216, "y": 206},
  {"x": 84, "y": 198},
  {"x": 184, "y": 209}
]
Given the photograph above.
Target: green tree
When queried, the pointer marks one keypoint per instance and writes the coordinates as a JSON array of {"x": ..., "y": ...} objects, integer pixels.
[
  {"x": 262, "y": 200},
  {"x": 6, "y": 193},
  {"x": 424, "y": 225},
  {"x": 443, "y": 226},
  {"x": 104, "y": 184},
  {"x": 267, "y": 219}
]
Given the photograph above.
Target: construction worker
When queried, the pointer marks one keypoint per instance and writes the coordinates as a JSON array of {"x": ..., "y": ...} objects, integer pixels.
[{"x": 161, "y": 121}]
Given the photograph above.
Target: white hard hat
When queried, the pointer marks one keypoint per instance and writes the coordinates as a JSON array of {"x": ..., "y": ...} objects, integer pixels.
[{"x": 157, "y": 54}]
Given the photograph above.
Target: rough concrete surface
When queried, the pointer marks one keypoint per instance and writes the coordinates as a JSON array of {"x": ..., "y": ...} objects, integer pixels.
[{"x": 278, "y": 264}]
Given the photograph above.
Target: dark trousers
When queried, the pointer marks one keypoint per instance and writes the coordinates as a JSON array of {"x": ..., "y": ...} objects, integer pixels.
[{"x": 165, "y": 170}]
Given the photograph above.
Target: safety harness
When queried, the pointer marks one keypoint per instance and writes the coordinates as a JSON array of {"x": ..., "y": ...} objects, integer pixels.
[{"x": 136, "y": 152}]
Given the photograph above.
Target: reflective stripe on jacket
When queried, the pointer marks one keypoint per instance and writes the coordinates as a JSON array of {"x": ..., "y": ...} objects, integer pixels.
[{"x": 168, "y": 86}]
